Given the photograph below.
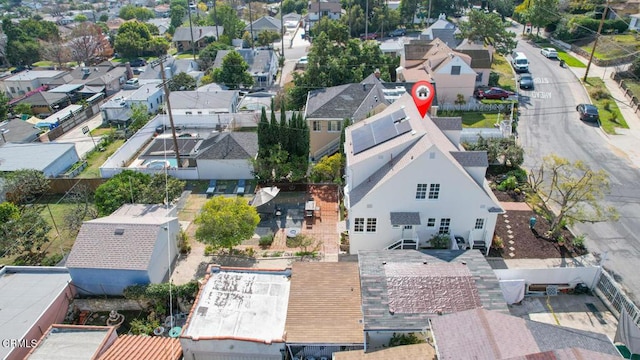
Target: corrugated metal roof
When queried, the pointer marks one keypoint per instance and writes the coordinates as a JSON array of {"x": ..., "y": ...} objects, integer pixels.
[
  {"x": 136, "y": 347},
  {"x": 324, "y": 304}
]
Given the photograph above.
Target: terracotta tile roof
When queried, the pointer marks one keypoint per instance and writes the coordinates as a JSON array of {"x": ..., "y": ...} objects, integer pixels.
[
  {"x": 325, "y": 304},
  {"x": 135, "y": 347},
  {"x": 406, "y": 352}
]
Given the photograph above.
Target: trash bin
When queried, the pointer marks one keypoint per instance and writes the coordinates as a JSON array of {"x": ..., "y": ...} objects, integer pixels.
[{"x": 561, "y": 63}]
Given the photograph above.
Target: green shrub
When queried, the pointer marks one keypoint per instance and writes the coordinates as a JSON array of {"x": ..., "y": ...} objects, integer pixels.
[
  {"x": 209, "y": 250},
  {"x": 404, "y": 339},
  {"x": 520, "y": 174},
  {"x": 52, "y": 260},
  {"x": 494, "y": 78},
  {"x": 440, "y": 241},
  {"x": 607, "y": 105},
  {"x": 266, "y": 240},
  {"x": 578, "y": 241},
  {"x": 497, "y": 242},
  {"x": 143, "y": 327},
  {"x": 599, "y": 93},
  {"x": 510, "y": 183}
]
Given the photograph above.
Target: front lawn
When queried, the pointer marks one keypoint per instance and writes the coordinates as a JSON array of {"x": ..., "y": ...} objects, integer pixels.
[
  {"x": 614, "y": 46},
  {"x": 476, "y": 119},
  {"x": 563, "y": 55},
  {"x": 502, "y": 67},
  {"x": 95, "y": 159},
  {"x": 610, "y": 116}
]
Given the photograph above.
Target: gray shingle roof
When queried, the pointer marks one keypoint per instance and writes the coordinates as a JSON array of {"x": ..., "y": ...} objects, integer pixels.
[
  {"x": 199, "y": 32},
  {"x": 264, "y": 23},
  {"x": 471, "y": 158},
  {"x": 551, "y": 337},
  {"x": 229, "y": 146},
  {"x": 203, "y": 99},
  {"x": 43, "y": 98},
  {"x": 97, "y": 245},
  {"x": 333, "y": 7},
  {"x": 258, "y": 60},
  {"x": 405, "y": 218},
  {"x": 447, "y": 36},
  {"x": 353, "y": 101},
  {"x": 480, "y": 58},
  {"x": 448, "y": 123},
  {"x": 32, "y": 156},
  {"x": 376, "y": 299}
]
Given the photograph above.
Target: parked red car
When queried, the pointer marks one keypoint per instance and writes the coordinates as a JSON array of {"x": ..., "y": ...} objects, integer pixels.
[
  {"x": 495, "y": 93},
  {"x": 370, "y": 36}
]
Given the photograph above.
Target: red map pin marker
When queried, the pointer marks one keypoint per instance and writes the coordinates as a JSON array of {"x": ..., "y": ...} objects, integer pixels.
[{"x": 423, "y": 93}]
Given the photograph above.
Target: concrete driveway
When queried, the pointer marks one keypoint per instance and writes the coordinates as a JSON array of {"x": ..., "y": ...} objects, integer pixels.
[{"x": 84, "y": 142}]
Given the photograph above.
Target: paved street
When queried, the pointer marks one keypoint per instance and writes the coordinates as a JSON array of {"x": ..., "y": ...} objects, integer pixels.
[{"x": 550, "y": 125}]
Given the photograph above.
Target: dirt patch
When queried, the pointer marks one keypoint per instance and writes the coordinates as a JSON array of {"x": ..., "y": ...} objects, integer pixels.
[{"x": 521, "y": 242}]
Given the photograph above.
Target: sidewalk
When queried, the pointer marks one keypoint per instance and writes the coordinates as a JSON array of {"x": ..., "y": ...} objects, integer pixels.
[{"x": 626, "y": 140}]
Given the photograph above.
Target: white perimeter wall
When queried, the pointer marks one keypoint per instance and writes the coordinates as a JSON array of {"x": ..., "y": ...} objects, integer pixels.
[
  {"x": 565, "y": 275},
  {"x": 230, "y": 350}
]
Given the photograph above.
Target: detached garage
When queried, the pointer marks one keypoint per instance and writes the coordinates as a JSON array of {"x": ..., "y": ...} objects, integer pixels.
[{"x": 53, "y": 159}]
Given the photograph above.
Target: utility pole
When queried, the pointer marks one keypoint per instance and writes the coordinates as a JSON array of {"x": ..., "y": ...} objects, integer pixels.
[
  {"x": 366, "y": 21},
  {"x": 282, "y": 30},
  {"x": 193, "y": 44},
  {"x": 595, "y": 43},
  {"x": 215, "y": 16},
  {"x": 166, "y": 94},
  {"x": 251, "y": 26}
]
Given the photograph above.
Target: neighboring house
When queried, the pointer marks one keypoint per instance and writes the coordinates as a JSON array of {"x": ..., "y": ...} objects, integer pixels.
[
  {"x": 53, "y": 159},
  {"x": 73, "y": 342},
  {"x": 239, "y": 313},
  {"x": 136, "y": 245},
  {"x": 143, "y": 347},
  {"x": 403, "y": 352},
  {"x": 201, "y": 36},
  {"x": 528, "y": 339},
  {"x": 324, "y": 315},
  {"x": 634, "y": 22},
  {"x": 326, "y": 110},
  {"x": 263, "y": 64},
  {"x": 443, "y": 30},
  {"x": 317, "y": 10},
  {"x": 204, "y": 102},
  {"x": 292, "y": 20},
  {"x": 43, "y": 102},
  {"x": 17, "y": 131},
  {"x": 162, "y": 24},
  {"x": 481, "y": 60},
  {"x": 227, "y": 155},
  {"x": 402, "y": 290},
  {"x": 24, "y": 82},
  {"x": 263, "y": 24},
  {"x": 172, "y": 67},
  {"x": 71, "y": 91},
  {"x": 105, "y": 77},
  {"x": 117, "y": 111},
  {"x": 408, "y": 179},
  {"x": 437, "y": 62},
  {"x": 33, "y": 298},
  {"x": 162, "y": 10},
  {"x": 256, "y": 101}
]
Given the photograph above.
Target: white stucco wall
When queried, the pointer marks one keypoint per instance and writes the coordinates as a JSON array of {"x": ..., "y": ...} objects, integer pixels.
[
  {"x": 224, "y": 169},
  {"x": 230, "y": 350},
  {"x": 164, "y": 253},
  {"x": 61, "y": 164},
  {"x": 460, "y": 199}
]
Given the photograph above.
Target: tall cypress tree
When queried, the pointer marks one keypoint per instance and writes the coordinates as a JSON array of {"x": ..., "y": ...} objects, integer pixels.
[
  {"x": 284, "y": 132},
  {"x": 263, "y": 132}
]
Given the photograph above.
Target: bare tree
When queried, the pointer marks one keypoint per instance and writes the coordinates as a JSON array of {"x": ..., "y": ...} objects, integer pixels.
[
  {"x": 55, "y": 51},
  {"x": 83, "y": 208},
  {"x": 3, "y": 48},
  {"x": 88, "y": 44}
]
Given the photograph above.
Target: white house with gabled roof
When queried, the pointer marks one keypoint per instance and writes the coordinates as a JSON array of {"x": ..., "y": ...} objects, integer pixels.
[{"x": 408, "y": 179}]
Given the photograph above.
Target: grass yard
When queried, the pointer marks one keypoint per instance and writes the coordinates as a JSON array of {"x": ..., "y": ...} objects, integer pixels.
[
  {"x": 502, "y": 67},
  {"x": 634, "y": 86},
  {"x": 95, "y": 159},
  {"x": 610, "y": 116},
  {"x": 563, "y": 55},
  {"x": 476, "y": 119},
  {"x": 185, "y": 55},
  {"x": 614, "y": 46}
]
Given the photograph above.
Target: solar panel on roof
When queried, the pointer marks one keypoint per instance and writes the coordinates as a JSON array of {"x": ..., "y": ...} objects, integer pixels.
[{"x": 380, "y": 130}]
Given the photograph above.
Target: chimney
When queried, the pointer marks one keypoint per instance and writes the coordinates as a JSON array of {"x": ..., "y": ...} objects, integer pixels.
[
  {"x": 129, "y": 71},
  {"x": 200, "y": 32},
  {"x": 364, "y": 87},
  {"x": 376, "y": 73}
]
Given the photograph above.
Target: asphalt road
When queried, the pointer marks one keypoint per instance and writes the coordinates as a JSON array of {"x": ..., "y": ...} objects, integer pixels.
[{"x": 549, "y": 124}]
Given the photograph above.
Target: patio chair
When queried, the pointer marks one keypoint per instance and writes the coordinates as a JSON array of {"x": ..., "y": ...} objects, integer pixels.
[
  {"x": 212, "y": 188},
  {"x": 241, "y": 185}
]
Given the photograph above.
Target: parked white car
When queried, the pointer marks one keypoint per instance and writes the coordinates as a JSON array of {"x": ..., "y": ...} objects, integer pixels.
[{"x": 550, "y": 53}]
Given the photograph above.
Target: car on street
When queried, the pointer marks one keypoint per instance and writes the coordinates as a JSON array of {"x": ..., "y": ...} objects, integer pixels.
[
  {"x": 138, "y": 62},
  {"x": 549, "y": 53},
  {"x": 398, "y": 32},
  {"x": 526, "y": 81},
  {"x": 369, "y": 36},
  {"x": 495, "y": 93},
  {"x": 588, "y": 112}
]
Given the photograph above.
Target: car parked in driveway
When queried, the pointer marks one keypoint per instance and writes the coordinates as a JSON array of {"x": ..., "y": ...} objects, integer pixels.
[
  {"x": 495, "y": 93},
  {"x": 549, "y": 53},
  {"x": 369, "y": 36},
  {"x": 526, "y": 81},
  {"x": 398, "y": 32},
  {"x": 588, "y": 112}
]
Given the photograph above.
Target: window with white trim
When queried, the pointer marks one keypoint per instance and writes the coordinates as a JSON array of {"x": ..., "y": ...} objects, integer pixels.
[
  {"x": 445, "y": 224},
  {"x": 434, "y": 191},
  {"x": 421, "y": 191},
  {"x": 358, "y": 225},
  {"x": 317, "y": 125},
  {"x": 431, "y": 222},
  {"x": 334, "y": 126},
  {"x": 479, "y": 224},
  {"x": 372, "y": 224}
]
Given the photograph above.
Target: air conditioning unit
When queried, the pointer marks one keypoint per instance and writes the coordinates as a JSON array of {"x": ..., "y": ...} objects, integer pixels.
[{"x": 552, "y": 290}]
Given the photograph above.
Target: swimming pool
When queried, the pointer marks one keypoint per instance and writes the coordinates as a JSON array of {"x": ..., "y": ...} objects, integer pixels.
[{"x": 157, "y": 164}]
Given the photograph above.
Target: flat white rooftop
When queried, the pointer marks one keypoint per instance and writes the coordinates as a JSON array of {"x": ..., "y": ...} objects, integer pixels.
[
  {"x": 72, "y": 343},
  {"x": 244, "y": 304},
  {"x": 27, "y": 293}
]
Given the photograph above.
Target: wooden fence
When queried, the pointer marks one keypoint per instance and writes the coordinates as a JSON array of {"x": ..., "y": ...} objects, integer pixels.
[{"x": 621, "y": 80}]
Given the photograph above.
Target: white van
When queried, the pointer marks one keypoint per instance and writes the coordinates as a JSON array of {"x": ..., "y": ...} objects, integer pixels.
[{"x": 519, "y": 62}]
